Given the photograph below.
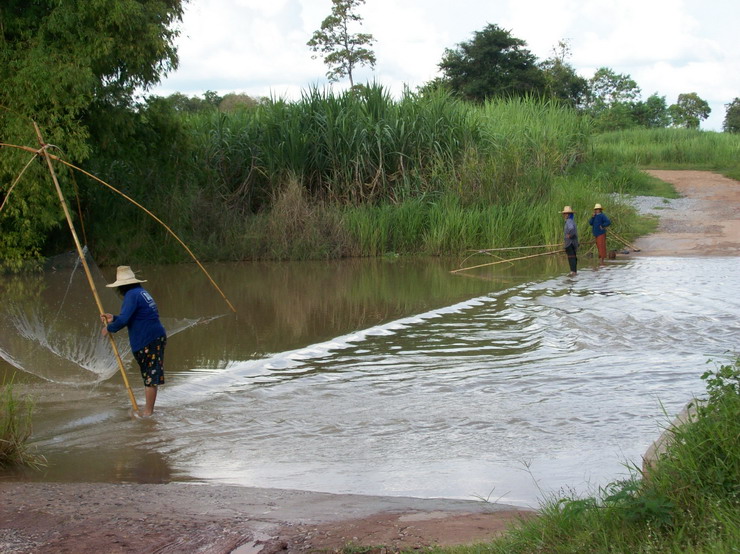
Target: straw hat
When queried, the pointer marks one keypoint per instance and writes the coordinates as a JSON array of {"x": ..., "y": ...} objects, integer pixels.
[
  {"x": 598, "y": 207},
  {"x": 125, "y": 276},
  {"x": 567, "y": 210}
]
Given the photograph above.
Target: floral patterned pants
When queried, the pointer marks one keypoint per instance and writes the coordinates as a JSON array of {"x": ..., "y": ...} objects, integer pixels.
[{"x": 151, "y": 362}]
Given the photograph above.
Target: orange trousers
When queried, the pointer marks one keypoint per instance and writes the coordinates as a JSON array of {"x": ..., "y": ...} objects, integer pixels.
[{"x": 601, "y": 245}]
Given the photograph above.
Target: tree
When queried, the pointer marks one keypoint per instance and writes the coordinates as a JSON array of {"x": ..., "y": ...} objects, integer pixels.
[
  {"x": 561, "y": 80},
  {"x": 233, "y": 102},
  {"x": 732, "y": 117},
  {"x": 493, "y": 63},
  {"x": 612, "y": 98},
  {"x": 72, "y": 67},
  {"x": 653, "y": 112},
  {"x": 689, "y": 110},
  {"x": 194, "y": 104},
  {"x": 607, "y": 88},
  {"x": 342, "y": 50}
]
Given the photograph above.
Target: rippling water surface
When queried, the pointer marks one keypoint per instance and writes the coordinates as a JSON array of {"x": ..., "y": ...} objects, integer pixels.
[{"x": 507, "y": 388}]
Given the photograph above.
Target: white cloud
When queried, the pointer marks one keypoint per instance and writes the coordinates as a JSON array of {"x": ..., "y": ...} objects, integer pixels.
[{"x": 667, "y": 46}]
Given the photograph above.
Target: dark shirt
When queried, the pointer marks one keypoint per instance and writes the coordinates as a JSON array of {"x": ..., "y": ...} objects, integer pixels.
[
  {"x": 139, "y": 313},
  {"x": 598, "y": 224}
]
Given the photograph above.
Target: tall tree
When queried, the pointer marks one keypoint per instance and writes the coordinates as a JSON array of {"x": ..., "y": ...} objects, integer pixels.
[
  {"x": 493, "y": 63},
  {"x": 607, "y": 88},
  {"x": 561, "y": 80},
  {"x": 689, "y": 110},
  {"x": 341, "y": 49},
  {"x": 731, "y": 123},
  {"x": 72, "y": 67},
  {"x": 612, "y": 98}
]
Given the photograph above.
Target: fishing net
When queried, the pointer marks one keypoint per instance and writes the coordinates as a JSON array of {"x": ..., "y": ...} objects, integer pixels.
[{"x": 49, "y": 324}]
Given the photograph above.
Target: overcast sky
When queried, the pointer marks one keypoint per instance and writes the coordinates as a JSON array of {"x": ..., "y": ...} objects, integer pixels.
[{"x": 258, "y": 47}]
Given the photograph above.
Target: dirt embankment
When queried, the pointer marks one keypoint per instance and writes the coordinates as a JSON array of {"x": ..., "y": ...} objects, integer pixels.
[{"x": 177, "y": 517}]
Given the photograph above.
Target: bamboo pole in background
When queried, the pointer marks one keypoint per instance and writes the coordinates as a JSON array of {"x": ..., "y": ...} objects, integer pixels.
[
  {"x": 623, "y": 241},
  {"x": 135, "y": 203},
  {"x": 63, "y": 202},
  {"x": 507, "y": 260},
  {"x": 515, "y": 248}
]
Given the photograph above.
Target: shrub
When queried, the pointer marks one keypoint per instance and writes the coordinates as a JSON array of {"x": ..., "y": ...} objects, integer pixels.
[{"x": 15, "y": 430}]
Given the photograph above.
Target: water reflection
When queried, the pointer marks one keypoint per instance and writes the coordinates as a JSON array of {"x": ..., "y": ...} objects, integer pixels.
[{"x": 122, "y": 465}]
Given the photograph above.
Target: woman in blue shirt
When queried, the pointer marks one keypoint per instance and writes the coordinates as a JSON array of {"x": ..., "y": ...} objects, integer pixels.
[
  {"x": 145, "y": 332},
  {"x": 599, "y": 222}
]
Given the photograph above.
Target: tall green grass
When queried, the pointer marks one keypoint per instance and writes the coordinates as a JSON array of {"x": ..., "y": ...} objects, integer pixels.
[
  {"x": 369, "y": 174},
  {"x": 366, "y": 175},
  {"x": 354, "y": 147},
  {"x": 15, "y": 430},
  {"x": 670, "y": 148}
]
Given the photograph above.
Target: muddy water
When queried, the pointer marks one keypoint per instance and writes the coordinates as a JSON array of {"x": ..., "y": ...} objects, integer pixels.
[{"x": 395, "y": 377}]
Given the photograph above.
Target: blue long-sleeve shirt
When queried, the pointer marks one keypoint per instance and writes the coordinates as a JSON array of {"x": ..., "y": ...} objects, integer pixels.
[
  {"x": 570, "y": 232},
  {"x": 139, "y": 313},
  {"x": 599, "y": 223}
]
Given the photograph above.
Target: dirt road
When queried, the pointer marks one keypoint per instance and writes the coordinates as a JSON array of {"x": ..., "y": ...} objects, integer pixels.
[{"x": 705, "y": 222}]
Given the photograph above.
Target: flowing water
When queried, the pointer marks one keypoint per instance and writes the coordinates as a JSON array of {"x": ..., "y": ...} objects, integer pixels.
[{"x": 389, "y": 377}]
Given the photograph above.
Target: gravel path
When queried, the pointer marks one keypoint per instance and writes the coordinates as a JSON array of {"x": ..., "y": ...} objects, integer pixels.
[{"x": 704, "y": 221}]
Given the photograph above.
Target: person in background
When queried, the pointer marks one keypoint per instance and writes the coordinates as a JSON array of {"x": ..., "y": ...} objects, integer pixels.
[
  {"x": 145, "y": 332},
  {"x": 570, "y": 235},
  {"x": 599, "y": 222}
]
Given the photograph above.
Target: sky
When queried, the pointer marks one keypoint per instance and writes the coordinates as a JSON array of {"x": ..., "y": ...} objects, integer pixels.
[{"x": 258, "y": 47}]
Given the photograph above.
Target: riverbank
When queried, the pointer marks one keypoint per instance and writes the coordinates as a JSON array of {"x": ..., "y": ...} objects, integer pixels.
[
  {"x": 180, "y": 517},
  {"x": 118, "y": 518}
]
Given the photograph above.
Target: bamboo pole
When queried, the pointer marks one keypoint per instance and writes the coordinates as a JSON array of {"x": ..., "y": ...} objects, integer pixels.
[
  {"x": 62, "y": 201},
  {"x": 516, "y": 248},
  {"x": 507, "y": 260},
  {"x": 620, "y": 239},
  {"x": 18, "y": 178},
  {"x": 135, "y": 203}
]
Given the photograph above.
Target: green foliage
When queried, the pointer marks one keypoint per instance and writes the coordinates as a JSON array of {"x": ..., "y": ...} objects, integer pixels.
[
  {"x": 233, "y": 102},
  {"x": 492, "y": 64},
  {"x": 608, "y": 89},
  {"x": 652, "y": 113},
  {"x": 689, "y": 110},
  {"x": 636, "y": 504},
  {"x": 342, "y": 50},
  {"x": 731, "y": 124},
  {"x": 333, "y": 175},
  {"x": 724, "y": 382},
  {"x": 194, "y": 104},
  {"x": 561, "y": 80},
  {"x": 68, "y": 65},
  {"x": 612, "y": 100},
  {"x": 15, "y": 430},
  {"x": 669, "y": 148}
]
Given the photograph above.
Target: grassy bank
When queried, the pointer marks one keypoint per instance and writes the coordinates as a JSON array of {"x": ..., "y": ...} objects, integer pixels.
[
  {"x": 689, "y": 501},
  {"x": 354, "y": 174},
  {"x": 15, "y": 430},
  {"x": 670, "y": 149},
  {"x": 363, "y": 174}
]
